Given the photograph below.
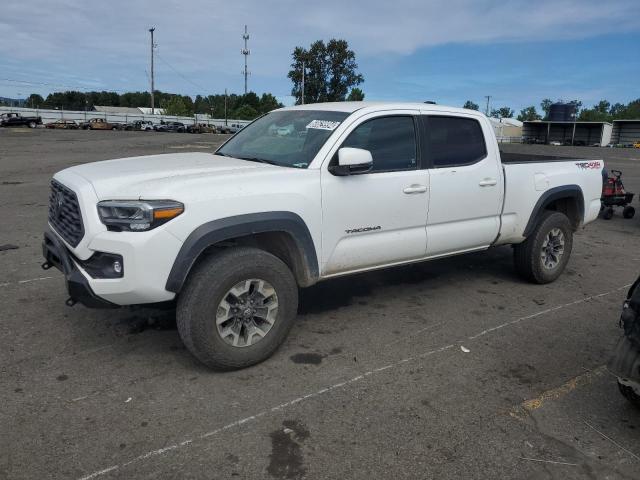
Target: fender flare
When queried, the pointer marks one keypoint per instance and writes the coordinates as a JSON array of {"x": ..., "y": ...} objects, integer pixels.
[
  {"x": 550, "y": 196},
  {"x": 227, "y": 228}
]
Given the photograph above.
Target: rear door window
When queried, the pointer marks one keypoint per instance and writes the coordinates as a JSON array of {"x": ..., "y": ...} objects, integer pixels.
[{"x": 453, "y": 141}]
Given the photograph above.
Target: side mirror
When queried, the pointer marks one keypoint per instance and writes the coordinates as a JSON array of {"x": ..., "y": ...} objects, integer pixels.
[{"x": 352, "y": 161}]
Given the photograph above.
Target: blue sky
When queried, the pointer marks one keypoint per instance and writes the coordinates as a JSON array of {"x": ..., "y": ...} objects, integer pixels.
[{"x": 517, "y": 51}]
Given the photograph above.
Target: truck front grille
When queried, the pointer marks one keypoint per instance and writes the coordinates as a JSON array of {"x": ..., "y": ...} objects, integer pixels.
[{"x": 64, "y": 213}]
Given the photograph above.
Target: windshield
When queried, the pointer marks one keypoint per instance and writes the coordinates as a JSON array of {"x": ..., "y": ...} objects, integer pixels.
[{"x": 288, "y": 138}]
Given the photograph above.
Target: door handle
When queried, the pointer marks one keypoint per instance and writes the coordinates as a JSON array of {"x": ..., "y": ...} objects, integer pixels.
[
  {"x": 415, "y": 189},
  {"x": 488, "y": 182}
]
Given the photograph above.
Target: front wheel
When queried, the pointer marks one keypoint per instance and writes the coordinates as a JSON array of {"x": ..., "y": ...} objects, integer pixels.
[
  {"x": 237, "y": 307},
  {"x": 542, "y": 257}
]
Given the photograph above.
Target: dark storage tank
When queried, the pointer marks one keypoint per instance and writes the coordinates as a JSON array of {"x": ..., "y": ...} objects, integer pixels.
[{"x": 562, "y": 112}]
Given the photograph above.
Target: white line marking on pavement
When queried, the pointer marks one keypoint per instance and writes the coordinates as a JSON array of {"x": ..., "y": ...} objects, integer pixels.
[
  {"x": 611, "y": 440},
  {"x": 336, "y": 386},
  {"x": 548, "y": 461},
  {"x": 20, "y": 282}
]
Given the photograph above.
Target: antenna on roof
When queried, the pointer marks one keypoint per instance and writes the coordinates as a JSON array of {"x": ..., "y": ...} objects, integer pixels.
[{"x": 430, "y": 102}]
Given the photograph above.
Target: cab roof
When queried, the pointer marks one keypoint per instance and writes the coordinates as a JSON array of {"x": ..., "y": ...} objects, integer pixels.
[{"x": 351, "y": 107}]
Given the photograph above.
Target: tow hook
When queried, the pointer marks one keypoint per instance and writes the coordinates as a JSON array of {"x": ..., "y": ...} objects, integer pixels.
[
  {"x": 70, "y": 302},
  {"x": 46, "y": 266}
]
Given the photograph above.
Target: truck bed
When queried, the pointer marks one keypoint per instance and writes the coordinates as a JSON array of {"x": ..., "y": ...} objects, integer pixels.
[{"x": 507, "y": 157}]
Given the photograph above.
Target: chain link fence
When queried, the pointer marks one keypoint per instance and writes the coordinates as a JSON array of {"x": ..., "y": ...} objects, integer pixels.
[{"x": 49, "y": 116}]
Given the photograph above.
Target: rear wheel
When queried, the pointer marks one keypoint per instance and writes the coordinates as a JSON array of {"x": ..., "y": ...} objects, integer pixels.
[
  {"x": 628, "y": 212},
  {"x": 542, "y": 257},
  {"x": 32, "y": 124},
  {"x": 237, "y": 307}
]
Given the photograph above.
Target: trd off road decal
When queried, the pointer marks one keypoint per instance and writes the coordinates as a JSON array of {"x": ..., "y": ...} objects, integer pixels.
[
  {"x": 588, "y": 165},
  {"x": 363, "y": 229}
]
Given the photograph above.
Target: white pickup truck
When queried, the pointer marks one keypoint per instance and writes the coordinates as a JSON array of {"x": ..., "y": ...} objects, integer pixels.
[{"x": 300, "y": 195}]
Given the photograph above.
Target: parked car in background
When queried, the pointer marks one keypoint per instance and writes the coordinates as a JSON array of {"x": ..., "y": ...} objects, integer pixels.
[
  {"x": 170, "y": 127},
  {"x": 63, "y": 124},
  {"x": 99, "y": 124},
  {"x": 555, "y": 143},
  {"x": 233, "y": 128},
  {"x": 636, "y": 145},
  {"x": 17, "y": 120},
  {"x": 139, "y": 125},
  {"x": 201, "y": 128}
]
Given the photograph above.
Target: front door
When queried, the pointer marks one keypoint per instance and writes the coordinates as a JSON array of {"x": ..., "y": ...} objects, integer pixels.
[{"x": 379, "y": 217}]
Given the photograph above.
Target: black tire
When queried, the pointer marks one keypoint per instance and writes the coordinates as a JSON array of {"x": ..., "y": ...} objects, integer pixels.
[
  {"x": 207, "y": 285},
  {"x": 527, "y": 255},
  {"x": 628, "y": 212},
  {"x": 608, "y": 214},
  {"x": 628, "y": 393}
]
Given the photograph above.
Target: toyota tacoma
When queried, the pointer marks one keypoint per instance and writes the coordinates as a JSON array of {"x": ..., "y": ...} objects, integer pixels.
[{"x": 305, "y": 194}]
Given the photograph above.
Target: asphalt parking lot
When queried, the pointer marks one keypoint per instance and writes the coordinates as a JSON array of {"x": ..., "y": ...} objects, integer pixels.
[{"x": 449, "y": 369}]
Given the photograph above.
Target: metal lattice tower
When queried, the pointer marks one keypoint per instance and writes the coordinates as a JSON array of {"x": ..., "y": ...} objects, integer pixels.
[{"x": 246, "y": 52}]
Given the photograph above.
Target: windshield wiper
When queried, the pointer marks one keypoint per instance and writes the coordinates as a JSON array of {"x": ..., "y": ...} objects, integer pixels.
[{"x": 260, "y": 160}]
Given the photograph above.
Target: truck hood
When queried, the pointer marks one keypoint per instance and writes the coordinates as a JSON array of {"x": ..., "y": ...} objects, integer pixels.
[{"x": 152, "y": 176}]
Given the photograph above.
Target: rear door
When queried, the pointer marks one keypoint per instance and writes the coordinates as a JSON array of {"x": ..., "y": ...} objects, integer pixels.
[{"x": 465, "y": 180}]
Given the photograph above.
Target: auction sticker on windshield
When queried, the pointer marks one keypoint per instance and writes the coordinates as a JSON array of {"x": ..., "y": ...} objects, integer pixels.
[{"x": 323, "y": 124}]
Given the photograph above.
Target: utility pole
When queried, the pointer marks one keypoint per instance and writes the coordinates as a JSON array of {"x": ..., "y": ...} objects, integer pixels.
[
  {"x": 225, "y": 107},
  {"x": 151, "y": 30},
  {"x": 488, "y": 97},
  {"x": 302, "y": 88},
  {"x": 246, "y": 52}
]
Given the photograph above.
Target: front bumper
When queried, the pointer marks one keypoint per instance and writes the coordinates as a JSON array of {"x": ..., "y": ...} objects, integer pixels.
[{"x": 56, "y": 255}]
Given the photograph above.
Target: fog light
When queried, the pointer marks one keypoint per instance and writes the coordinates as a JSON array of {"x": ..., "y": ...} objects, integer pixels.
[{"x": 103, "y": 265}]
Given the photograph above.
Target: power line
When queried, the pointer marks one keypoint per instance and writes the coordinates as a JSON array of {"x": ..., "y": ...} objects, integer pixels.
[{"x": 200, "y": 87}]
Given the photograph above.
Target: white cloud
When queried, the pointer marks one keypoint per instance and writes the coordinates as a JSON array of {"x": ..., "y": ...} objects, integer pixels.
[{"x": 107, "y": 40}]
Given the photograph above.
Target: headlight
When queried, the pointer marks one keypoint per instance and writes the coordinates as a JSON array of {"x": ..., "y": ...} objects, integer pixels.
[{"x": 137, "y": 216}]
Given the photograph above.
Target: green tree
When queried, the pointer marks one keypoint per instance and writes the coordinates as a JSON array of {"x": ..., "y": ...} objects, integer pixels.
[
  {"x": 632, "y": 110},
  {"x": 470, "y": 105},
  {"x": 502, "y": 112},
  {"x": 529, "y": 114},
  {"x": 34, "y": 101},
  {"x": 245, "y": 112},
  {"x": 545, "y": 105},
  {"x": 577, "y": 104},
  {"x": 268, "y": 102},
  {"x": 330, "y": 71},
  {"x": 599, "y": 113},
  {"x": 355, "y": 95},
  {"x": 175, "y": 105}
]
